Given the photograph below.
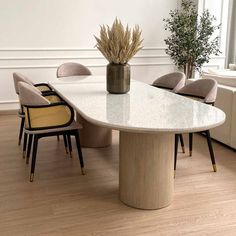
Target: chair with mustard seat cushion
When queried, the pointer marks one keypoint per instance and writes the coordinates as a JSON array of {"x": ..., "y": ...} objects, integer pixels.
[
  {"x": 50, "y": 95},
  {"x": 72, "y": 69},
  {"x": 43, "y": 119},
  {"x": 172, "y": 82},
  {"x": 202, "y": 90},
  {"x": 42, "y": 87}
]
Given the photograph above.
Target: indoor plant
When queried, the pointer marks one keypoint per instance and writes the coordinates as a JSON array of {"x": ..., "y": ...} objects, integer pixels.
[
  {"x": 118, "y": 45},
  {"x": 191, "y": 41}
]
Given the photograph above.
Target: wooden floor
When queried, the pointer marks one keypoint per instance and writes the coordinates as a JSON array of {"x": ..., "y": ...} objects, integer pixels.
[{"x": 61, "y": 201}]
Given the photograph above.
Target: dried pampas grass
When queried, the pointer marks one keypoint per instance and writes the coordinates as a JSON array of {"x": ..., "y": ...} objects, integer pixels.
[{"x": 118, "y": 44}]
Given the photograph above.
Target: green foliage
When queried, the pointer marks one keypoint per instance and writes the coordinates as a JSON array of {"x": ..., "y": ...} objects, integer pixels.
[{"x": 190, "y": 43}]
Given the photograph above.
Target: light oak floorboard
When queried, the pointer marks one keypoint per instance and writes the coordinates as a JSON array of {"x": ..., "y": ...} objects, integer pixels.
[{"x": 62, "y": 202}]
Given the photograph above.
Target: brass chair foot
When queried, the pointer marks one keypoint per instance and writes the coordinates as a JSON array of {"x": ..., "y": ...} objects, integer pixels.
[
  {"x": 23, "y": 155},
  {"x": 66, "y": 150},
  {"x": 82, "y": 171},
  {"x": 19, "y": 142},
  {"x": 183, "y": 149},
  {"x": 190, "y": 153},
  {"x": 174, "y": 173},
  {"x": 71, "y": 155},
  {"x": 214, "y": 168},
  {"x": 31, "y": 177}
]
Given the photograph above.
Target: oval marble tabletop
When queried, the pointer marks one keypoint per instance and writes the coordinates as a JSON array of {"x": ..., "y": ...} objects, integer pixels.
[
  {"x": 143, "y": 109},
  {"x": 147, "y": 118}
]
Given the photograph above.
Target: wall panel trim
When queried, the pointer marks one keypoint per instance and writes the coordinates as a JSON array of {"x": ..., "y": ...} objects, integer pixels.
[
  {"x": 92, "y": 65},
  {"x": 9, "y": 102},
  {"x": 68, "y": 49},
  {"x": 73, "y": 57}
]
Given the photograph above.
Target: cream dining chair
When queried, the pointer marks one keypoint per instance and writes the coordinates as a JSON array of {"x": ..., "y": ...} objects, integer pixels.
[
  {"x": 41, "y": 87},
  {"x": 50, "y": 95},
  {"x": 172, "y": 81},
  {"x": 72, "y": 69},
  {"x": 43, "y": 119},
  {"x": 202, "y": 90}
]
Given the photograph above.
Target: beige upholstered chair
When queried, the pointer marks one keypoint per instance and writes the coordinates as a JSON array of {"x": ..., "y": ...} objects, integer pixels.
[
  {"x": 72, "y": 69},
  {"x": 38, "y": 88},
  {"x": 21, "y": 78},
  {"x": 51, "y": 97},
  {"x": 43, "y": 119},
  {"x": 42, "y": 87},
  {"x": 172, "y": 81},
  {"x": 203, "y": 90}
]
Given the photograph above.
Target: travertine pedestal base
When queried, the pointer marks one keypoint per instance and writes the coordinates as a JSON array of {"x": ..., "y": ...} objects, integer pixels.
[
  {"x": 93, "y": 136},
  {"x": 146, "y": 178}
]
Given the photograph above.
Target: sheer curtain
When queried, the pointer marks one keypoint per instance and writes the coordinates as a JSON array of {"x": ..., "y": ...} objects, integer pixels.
[{"x": 231, "y": 44}]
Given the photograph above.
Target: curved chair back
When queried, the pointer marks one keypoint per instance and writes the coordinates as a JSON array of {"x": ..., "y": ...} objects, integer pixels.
[
  {"x": 173, "y": 81},
  {"x": 205, "y": 89},
  {"x": 17, "y": 77},
  {"x": 72, "y": 69},
  {"x": 30, "y": 96}
]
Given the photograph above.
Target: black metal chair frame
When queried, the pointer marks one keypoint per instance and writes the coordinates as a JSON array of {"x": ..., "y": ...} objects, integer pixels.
[
  {"x": 209, "y": 142},
  {"x": 35, "y": 137}
]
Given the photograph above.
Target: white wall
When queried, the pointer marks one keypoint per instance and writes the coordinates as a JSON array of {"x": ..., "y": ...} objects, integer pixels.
[{"x": 38, "y": 35}]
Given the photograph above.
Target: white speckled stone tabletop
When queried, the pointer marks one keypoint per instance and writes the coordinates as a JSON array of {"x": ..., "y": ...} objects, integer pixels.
[{"x": 143, "y": 109}]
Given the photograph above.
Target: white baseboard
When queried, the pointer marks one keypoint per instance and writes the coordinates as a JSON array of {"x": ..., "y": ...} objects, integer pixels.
[{"x": 9, "y": 107}]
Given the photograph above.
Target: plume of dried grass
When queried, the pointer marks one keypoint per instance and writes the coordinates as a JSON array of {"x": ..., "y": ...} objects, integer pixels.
[{"x": 118, "y": 44}]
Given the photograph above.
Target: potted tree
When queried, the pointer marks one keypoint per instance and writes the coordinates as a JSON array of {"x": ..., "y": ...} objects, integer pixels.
[
  {"x": 191, "y": 41},
  {"x": 118, "y": 45}
]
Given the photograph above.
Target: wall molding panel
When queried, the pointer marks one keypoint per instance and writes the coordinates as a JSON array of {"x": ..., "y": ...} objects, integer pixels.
[
  {"x": 71, "y": 57},
  {"x": 69, "y": 49},
  {"x": 40, "y": 64},
  {"x": 52, "y": 57}
]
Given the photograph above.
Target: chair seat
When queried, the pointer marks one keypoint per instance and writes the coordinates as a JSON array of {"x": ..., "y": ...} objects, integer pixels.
[{"x": 73, "y": 126}]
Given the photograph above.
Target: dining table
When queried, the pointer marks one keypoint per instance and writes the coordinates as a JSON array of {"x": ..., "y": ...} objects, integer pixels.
[{"x": 147, "y": 119}]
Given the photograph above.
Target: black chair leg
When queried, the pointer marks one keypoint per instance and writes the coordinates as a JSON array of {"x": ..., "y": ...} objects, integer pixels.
[
  {"x": 58, "y": 138},
  {"x": 211, "y": 150},
  {"x": 69, "y": 144},
  {"x": 182, "y": 142},
  {"x": 65, "y": 143},
  {"x": 190, "y": 144},
  {"x": 176, "y": 151},
  {"x": 21, "y": 130},
  {"x": 79, "y": 152},
  {"x": 24, "y": 144},
  {"x": 29, "y": 148},
  {"x": 35, "y": 147}
]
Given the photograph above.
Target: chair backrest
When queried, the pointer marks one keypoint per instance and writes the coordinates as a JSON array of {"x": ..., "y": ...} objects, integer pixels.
[
  {"x": 72, "y": 69},
  {"x": 17, "y": 77},
  {"x": 30, "y": 96},
  {"x": 173, "y": 81},
  {"x": 205, "y": 89}
]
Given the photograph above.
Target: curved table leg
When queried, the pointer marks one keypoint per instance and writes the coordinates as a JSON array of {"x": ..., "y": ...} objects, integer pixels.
[
  {"x": 93, "y": 136},
  {"x": 146, "y": 175}
]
